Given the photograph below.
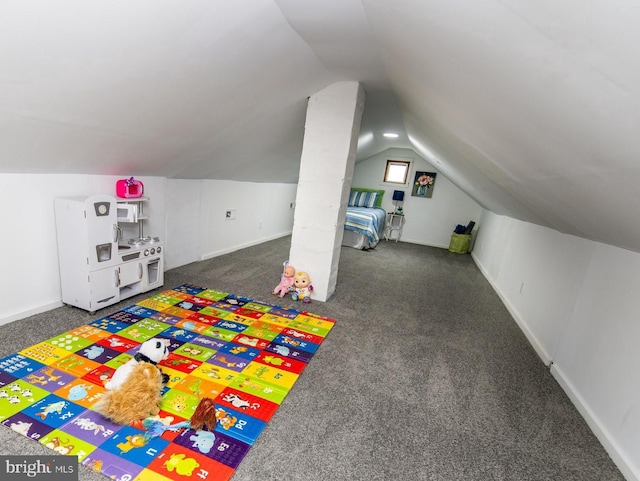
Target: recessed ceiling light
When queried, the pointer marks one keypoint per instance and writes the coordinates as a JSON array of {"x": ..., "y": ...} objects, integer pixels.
[{"x": 390, "y": 135}]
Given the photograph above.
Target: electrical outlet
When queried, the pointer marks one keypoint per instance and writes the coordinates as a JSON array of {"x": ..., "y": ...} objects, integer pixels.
[
  {"x": 230, "y": 214},
  {"x": 522, "y": 288}
]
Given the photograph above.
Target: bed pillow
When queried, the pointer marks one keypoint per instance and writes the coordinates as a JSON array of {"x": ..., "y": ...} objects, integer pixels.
[{"x": 362, "y": 199}]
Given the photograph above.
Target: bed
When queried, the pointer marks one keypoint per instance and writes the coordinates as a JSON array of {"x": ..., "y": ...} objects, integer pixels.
[{"x": 365, "y": 219}]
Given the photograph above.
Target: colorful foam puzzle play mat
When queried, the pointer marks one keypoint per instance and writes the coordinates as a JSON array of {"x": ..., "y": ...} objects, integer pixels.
[{"x": 244, "y": 354}]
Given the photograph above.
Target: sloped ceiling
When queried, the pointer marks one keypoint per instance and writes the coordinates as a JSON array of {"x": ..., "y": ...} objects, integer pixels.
[{"x": 531, "y": 107}]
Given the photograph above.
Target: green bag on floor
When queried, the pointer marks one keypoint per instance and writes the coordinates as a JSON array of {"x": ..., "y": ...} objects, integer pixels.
[{"x": 460, "y": 243}]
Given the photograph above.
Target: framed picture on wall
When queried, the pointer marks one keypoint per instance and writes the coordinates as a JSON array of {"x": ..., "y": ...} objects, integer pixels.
[{"x": 423, "y": 184}]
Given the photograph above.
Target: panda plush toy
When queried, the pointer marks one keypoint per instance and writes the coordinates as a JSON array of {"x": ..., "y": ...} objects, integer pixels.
[{"x": 152, "y": 351}]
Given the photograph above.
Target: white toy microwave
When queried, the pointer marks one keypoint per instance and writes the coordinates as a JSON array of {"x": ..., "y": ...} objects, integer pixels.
[{"x": 127, "y": 212}]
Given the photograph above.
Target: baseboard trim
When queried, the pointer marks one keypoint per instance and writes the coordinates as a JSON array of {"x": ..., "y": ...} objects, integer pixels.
[
  {"x": 422, "y": 243},
  {"x": 211, "y": 255},
  {"x": 607, "y": 441},
  {"x": 30, "y": 312}
]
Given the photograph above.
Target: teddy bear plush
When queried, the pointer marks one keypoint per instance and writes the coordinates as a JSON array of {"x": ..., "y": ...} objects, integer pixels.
[
  {"x": 152, "y": 351},
  {"x": 302, "y": 287},
  {"x": 138, "y": 397},
  {"x": 286, "y": 281}
]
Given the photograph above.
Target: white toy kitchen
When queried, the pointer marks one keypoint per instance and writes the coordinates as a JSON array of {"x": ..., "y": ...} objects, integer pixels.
[{"x": 98, "y": 267}]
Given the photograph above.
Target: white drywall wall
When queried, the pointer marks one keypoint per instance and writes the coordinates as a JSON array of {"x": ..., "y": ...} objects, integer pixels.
[
  {"x": 578, "y": 308},
  {"x": 188, "y": 215}
]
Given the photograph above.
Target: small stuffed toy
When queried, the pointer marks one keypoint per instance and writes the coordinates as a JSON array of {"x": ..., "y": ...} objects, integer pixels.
[
  {"x": 152, "y": 351},
  {"x": 134, "y": 390},
  {"x": 204, "y": 417},
  {"x": 302, "y": 287},
  {"x": 138, "y": 397},
  {"x": 286, "y": 281}
]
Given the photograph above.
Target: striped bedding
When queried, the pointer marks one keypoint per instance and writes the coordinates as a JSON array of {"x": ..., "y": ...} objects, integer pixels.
[{"x": 367, "y": 221}]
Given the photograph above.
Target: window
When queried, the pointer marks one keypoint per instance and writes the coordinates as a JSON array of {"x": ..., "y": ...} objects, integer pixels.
[{"x": 397, "y": 171}]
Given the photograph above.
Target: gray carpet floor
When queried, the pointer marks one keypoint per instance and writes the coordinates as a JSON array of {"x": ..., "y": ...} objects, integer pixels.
[{"x": 426, "y": 376}]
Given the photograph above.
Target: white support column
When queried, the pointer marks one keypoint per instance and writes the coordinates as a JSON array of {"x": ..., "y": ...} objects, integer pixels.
[{"x": 326, "y": 170}]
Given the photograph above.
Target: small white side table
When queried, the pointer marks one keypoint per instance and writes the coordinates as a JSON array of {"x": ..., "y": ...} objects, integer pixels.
[{"x": 395, "y": 222}]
